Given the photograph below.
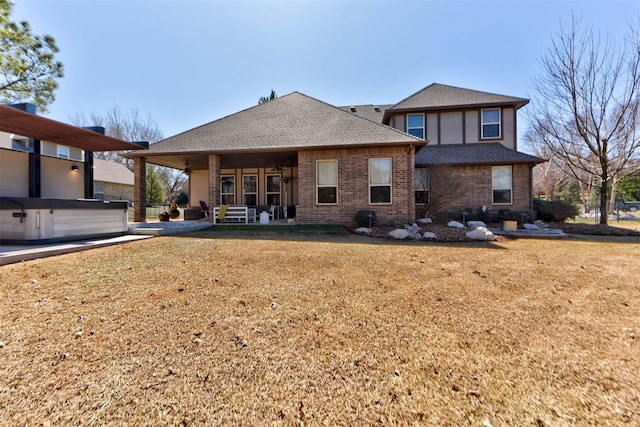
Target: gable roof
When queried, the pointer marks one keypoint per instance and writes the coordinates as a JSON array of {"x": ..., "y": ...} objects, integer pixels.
[
  {"x": 371, "y": 112},
  {"x": 112, "y": 172},
  {"x": 471, "y": 154},
  {"x": 437, "y": 96},
  {"x": 292, "y": 121}
]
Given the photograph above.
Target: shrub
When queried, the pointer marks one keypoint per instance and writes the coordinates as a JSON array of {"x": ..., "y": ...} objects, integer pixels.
[
  {"x": 366, "y": 218},
  {"x": 480, "y": 214},
  {"x": 554, "y": 210},
  {"x": 510, "y": 215}
]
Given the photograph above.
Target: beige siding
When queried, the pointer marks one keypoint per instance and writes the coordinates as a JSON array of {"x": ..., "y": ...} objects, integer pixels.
[
  {"x": 198, "y": 187},
  {"x": 509, "y": 128},
  {"x": 432, "y": 128},
  {"x": 472, "y": 127},
  {"x": 451, "y": 128},
  {"x": 59, "y": 181},
  {"x": 399, "y": 122},
  {"x": 14, "y": 173}
]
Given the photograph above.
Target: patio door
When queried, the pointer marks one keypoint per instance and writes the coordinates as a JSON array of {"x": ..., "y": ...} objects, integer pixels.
[
  {"x": 228, "y": 190},
  {"x": 273, "y": 190},
  {"x": 250, "y": 190}
]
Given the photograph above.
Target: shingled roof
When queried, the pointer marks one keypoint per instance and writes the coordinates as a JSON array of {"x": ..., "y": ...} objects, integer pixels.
[
  {"x": 368, "y": 111},
  {"x": 437, "y": 96},
  {"x": 472, "y": 154},
  {"x": 292, "y": 121}
]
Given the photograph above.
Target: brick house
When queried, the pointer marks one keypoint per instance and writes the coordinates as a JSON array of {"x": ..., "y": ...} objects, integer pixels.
[{"x": 322, "y": 163}]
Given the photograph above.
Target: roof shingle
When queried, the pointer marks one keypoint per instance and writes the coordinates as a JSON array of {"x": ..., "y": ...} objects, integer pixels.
[{"x": 469, "y": 154}]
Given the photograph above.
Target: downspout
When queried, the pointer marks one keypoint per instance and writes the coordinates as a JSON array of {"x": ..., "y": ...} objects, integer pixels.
[{"x": 411, "y": 170}]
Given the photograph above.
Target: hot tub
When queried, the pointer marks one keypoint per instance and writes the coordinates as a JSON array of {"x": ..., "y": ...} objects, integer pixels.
[{"x": 34, "y": 220}]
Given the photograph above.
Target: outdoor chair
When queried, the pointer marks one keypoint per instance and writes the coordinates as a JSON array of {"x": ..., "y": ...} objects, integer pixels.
[{"x": 204, "y": 207}]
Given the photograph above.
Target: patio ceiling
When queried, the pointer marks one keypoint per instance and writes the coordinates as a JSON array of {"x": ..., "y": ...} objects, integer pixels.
[
  {"x": 29, "y": 125},
  {"x": 200, "y": 161}
]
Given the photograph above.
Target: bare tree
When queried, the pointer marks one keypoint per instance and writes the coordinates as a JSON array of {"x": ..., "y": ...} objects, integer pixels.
[
  {"x": 586, "y": 110},
  {"x": 436, "y": 188}
]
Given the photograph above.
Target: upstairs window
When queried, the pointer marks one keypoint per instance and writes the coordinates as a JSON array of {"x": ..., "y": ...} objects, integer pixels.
[
  {"x": 379, "y": 181},
  {"x": 415, "y": 125},
  {"x": 501, "y": 182},
  {"x": 491, "y": 123},
  {"x": 327, "y": 182}
]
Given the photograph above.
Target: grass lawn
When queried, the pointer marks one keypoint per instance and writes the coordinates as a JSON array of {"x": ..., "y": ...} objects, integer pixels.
[{"x": 315, "y": 328}]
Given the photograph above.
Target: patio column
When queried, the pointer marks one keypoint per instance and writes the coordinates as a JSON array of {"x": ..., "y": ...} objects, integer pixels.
[
  {"x": 140, "y": 189},
  {"x": 214, "y": 180},
  {"x": 35, "y": 170}
]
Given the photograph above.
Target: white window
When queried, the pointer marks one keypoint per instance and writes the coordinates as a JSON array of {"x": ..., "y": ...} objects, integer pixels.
[
  {"x": 250, "y": 189},
  {"x": 273, "y": 189},
  {"x": 327, "y": 182},
  {"x": 415, "y": 125},
  {"x": 228, "y": 190},
  {"x": 63, "y": 152},
  {"x": 501, "y": 185},
  {"x": 379, "y": 181},
  {"x": 491, "y": 123},
  {"x": 422, "y": 185}
]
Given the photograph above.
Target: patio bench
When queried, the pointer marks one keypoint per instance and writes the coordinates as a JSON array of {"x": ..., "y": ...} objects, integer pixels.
[{"x": 235, "y": 214}]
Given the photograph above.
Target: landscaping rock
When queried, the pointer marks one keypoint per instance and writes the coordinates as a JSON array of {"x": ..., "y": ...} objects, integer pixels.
[
  {"x": 425, "y": 221},
  {"x": 474, "y": 224},
  {"x": 531, "y": 227},
  {"x": 429, "y": 236},
  {"x": 363, "y": 230},
  {"x": 399, "y": 234},
  {"x": 540, "y": 224},
  {"x": 481, "y": 233},
  {"x": 414, "y": 231},
  {"x": 455, "y": 224}
]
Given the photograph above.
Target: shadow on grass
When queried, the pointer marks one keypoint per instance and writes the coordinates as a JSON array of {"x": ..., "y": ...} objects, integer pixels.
[{"x": 317, "y": 233}]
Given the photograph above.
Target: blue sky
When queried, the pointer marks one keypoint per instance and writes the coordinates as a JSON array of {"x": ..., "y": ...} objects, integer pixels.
[{"x": 186, "y": 62}]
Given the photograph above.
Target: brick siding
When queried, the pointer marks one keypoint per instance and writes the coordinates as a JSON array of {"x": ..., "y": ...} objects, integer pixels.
[{"x": 353, "y": 186}]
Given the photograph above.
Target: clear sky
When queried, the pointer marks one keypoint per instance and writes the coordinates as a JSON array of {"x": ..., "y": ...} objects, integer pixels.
[{"x": 186, "y": 63}]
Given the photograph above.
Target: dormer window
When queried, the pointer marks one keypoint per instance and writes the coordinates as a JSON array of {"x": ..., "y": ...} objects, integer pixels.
[
  {"x": 415, "y": 125},
  {"x": 491, "y": 123}
]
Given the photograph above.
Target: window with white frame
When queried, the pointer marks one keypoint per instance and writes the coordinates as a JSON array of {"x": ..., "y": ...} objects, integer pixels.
[
  {"x": 501, "y": 182},
  {"x": 250, "y": 189},
  {"x": 63, "y": 152},
  {"x": 379, "y": 181},
  {"x": 327, "y": 182},
  {"x": 228, "y": 190},
  {"x": 415, "y": 125},
  {"x": 491, "y": 123},
  {"x": 422, "y": 185},
  {"x": 273, "y": 189}
]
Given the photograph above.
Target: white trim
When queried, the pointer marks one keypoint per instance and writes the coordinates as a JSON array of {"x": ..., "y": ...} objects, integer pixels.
[
  {"x": 390, "y": 185},
  {"x": 327, "y": 185},
  {"x": 499, "y": 123},
  {"x": 423, "y": 127},
  {"x": 493, "y": 188}
]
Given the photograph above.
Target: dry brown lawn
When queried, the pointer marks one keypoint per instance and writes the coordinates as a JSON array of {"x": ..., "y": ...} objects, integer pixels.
[{"x": 340, "y": 330}]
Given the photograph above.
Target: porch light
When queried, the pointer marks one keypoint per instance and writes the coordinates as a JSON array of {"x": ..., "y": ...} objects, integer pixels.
[
  {"x": 75, "y": 168},
  {"x": 187, "y": 169}
]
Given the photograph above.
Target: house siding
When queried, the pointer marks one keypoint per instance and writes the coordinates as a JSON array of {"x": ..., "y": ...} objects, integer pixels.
[
  {"x": 353, "y": 186},
  {"x": 475, "y": 189}
]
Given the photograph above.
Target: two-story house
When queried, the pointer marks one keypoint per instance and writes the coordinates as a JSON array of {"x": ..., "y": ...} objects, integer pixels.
[{"x": 322, "y": 163}]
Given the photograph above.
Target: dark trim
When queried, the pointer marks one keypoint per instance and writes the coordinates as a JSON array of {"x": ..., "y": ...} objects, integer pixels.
[
  {"x": 515, "y": 130},
  {"x": 38, "y": 203},
  {"x": 464, "y": 127},
  {"x": 35, "y": 170},
  {"x": 439, "y": 129},
  {"x": 36, "y": 242},
  {"x": 88, "y": 175}
]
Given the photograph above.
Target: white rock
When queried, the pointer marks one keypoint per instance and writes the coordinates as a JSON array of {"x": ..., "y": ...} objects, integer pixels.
[
  {"x": 399, "y": 234},
  {"x": 476, "y": 224},
  {"x": 425, "y": 221},
  {"x": 531, "y": 227},
  {"x": 429, "y": 235},
  {"x": 481, "y": 233},
  {"x": 363, "y": 230},
  {"x": 454, "y": 224},
  {"x": 197, "y": 341},
  {"x": 1, "y": 344}
]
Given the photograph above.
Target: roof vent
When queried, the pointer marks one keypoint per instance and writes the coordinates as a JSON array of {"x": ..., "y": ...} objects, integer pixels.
[
  {"x": 353, "y": 109},
  {"x": 376, "y": 109}
]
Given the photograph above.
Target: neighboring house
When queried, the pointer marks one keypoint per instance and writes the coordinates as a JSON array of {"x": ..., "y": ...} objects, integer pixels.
[
  {"x": 47, "y": 180},
  {"x": 112, "y": 181},
  {"x": 324, "y": 162}
]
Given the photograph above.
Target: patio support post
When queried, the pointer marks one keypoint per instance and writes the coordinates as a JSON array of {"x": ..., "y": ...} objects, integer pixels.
[
  {"x": 140, "y": 189},
  {"x": 35, "y": 170},
  {"x": 214, "y": 180},
  {"x": 88, "y": 174}
]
